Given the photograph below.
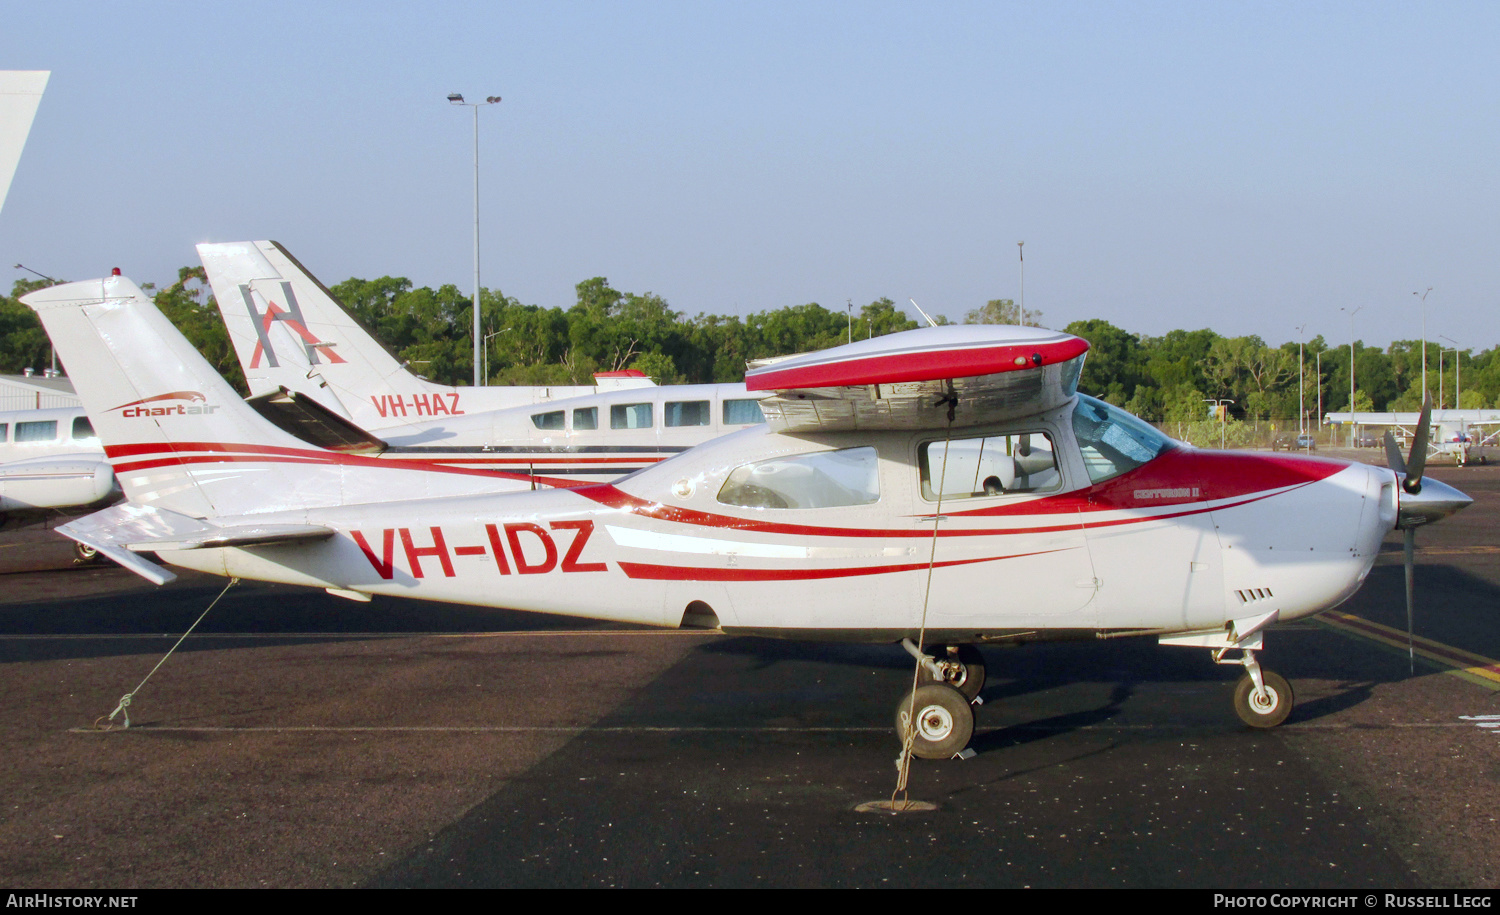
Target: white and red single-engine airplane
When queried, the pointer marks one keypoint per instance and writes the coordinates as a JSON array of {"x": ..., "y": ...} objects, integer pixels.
[{"x": 940, "y": 487}]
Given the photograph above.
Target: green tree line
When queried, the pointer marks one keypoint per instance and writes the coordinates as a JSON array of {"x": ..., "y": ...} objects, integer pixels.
[{"x": 1163, "y": 379}]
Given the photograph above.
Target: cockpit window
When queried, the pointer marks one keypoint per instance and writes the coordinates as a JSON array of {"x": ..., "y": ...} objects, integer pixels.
[
  {"x": 1112, "y": 440},
  {"x": 824, "y": 479}
]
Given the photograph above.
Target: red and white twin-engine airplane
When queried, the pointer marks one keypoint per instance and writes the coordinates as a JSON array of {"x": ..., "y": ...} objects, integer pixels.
[{"x": 940, "y": 487}]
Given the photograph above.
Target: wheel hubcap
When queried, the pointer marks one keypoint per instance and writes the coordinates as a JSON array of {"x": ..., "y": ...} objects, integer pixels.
[
  {"x": 1264, "y": 704},
  {"x": 934, "y": 723}
]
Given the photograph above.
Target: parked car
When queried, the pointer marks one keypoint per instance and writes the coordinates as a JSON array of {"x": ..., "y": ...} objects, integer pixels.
[{"x": 1306, "y": 442}]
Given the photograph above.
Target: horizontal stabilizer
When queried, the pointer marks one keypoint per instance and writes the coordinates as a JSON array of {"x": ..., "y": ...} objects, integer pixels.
[{"x": 123, "y": 530}]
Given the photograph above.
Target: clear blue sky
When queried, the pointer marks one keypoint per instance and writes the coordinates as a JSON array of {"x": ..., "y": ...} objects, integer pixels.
[{"x": 1243, "y": 166}]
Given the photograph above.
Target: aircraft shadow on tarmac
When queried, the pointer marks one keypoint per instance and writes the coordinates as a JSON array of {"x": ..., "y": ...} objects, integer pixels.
[{"x": 1119, "y": 681}]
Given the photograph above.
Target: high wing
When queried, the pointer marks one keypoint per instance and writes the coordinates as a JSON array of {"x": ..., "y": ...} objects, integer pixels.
[
  {"x": 20, "y": 94},
  {"x": 956, "y": 375}
]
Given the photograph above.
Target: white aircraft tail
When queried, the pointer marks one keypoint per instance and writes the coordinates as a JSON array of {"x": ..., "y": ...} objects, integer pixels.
[
  {"x": 181, "y": 439},
  {"x": 169, "y": 423},
  {"x": 20, "y": 94},
  {"x": 288, "y": 331}
]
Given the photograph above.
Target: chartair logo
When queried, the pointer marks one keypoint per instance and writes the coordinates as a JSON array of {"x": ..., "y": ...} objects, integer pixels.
[
  {"x": 291, "y": 316},
  {"x": 196, "y": 405}
]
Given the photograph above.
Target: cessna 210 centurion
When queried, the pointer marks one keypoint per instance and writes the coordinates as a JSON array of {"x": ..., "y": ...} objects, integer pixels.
[{"x": 939, "y": 487}]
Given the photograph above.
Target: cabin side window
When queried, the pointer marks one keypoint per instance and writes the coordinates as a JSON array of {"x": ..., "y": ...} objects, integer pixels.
[
  {"x": 4, "y": 432},
  {"x": 742, "y": 412},
  {"x": 630, "y": 416},
  {"x": 83, "y": 431},
  {"x": 586, "y": 419},
  {"x": 552, "y": 422},
  {"x": 686, "y": 413},
  {"x": 37, "y": 431},
  {"x": 825, "y": 479},
  {"x": 965, "y": 468}
]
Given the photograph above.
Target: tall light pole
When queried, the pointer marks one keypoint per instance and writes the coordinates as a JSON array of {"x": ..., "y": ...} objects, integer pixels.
[
  {"x": 1320, "y": 392},
  {"x": 1021, "y": 253},
  {"x": 1457, "y": 378},
  {"x": 457, "y": 99},
  {"x": 487, "y": 352},
  {"x": 1424, "y": 340},
  {"x": 1458, "y": 386},
  {"x": 1351, "y": 370},
  {"x": 1301, "y": 385}
]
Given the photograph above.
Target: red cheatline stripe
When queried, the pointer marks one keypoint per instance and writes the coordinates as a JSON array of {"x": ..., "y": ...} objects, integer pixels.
[
  {"x": 653, "y": 572},
  {"x": 608, "y": 495},
  {"x": 290, "y": 456}
]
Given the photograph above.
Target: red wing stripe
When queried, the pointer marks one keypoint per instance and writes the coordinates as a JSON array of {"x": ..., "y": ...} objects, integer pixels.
[{"x": 916, "y": 365}]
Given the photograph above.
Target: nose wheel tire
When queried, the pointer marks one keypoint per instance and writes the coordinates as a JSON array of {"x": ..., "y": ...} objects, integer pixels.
[
  {"x": 963, "y": 669},
  {"x": 1265, "y": 711},
  {"x": 940, "y": 717}
]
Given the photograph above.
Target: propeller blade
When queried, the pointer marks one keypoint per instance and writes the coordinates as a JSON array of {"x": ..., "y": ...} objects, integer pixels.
[
  {"x": 1410, "y": 548},
  {"x": 1418, "y": 460},
  {"x": 1394, "y": 459}
]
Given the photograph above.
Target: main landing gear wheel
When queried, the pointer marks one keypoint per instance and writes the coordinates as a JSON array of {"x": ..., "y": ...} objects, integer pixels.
[
  {"x": 84, "y": 553},
  {"x": 1265, "y": 711},
  {"x": 940, "y": 717},
  {"x": 962, "y": 667}
]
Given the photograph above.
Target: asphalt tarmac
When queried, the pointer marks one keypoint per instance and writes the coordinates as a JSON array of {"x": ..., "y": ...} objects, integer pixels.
[{"x": 301, "y": 740}]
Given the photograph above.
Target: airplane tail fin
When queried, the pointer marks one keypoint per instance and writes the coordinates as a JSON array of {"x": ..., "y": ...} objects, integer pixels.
[
  {"x": 169, "y": 423},
  {"x": 289, "y": 331}
]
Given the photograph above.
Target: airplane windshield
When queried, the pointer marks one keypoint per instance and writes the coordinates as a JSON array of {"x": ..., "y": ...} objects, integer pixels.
[{"x": 1112, "y": 440}]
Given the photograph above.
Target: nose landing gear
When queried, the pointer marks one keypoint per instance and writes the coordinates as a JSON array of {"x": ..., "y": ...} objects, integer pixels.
[{"x": 1262, "y": 699}]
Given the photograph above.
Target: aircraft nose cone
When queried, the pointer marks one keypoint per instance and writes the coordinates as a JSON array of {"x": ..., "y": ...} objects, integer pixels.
[{"x": 1436, "y": 501}]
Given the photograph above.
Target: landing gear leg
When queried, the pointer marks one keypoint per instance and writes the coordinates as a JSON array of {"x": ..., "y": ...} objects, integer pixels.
[
  {"x": 1262, "y": 699},
  {"x": 959, "y": 666}
]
